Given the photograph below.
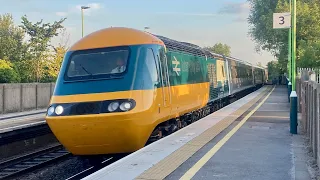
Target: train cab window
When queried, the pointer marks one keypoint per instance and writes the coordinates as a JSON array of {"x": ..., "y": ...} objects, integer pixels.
[
  {"x": 97, "y": 63},
  {"x": 151, "y": 65}
]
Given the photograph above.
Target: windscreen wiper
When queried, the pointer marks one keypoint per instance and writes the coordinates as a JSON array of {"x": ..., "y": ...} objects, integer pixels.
[{"x": 86, "y": 70}]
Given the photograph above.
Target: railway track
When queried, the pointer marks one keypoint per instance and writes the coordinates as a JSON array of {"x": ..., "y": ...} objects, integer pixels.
[
  {"x": 96, "y": 167},
  {"x": 28, "y": 162}
]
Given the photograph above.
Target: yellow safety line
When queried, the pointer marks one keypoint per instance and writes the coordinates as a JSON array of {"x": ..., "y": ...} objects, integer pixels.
[{"x": 194, "y": 169}]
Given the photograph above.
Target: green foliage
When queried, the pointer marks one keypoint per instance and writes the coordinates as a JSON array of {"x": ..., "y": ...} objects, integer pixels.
[
  {"x": 276, "y": 40},
  {"x": 8, "y": 73},
  {"x": 30, "y": 59},
  {"x": 53, "y": 64},
  {"x": 259, "y": 64},
  {"x": 260, "y": 19},
  {"x": 274, "y": 70},
  {"x": 40, "y": 35},
  {"x": 11, "y": 39},
  {"x": 220, "y": 48},
  {"x": 309, "y": 54}
]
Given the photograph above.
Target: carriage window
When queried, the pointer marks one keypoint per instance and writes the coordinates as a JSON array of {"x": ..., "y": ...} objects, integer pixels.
[{"x": 97, "y": 63}]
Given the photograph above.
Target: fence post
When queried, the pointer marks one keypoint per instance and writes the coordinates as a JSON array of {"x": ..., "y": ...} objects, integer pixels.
[
  {"x": 303, "y": 107},
  {"x": 298, "y": 89},
  {"x": 318, "y": 120},
  {"x": 314, "y": 119},
  {"x": 309, "y": 112}
]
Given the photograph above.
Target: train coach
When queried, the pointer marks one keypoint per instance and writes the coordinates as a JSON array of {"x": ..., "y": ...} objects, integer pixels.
[{"x": 120, "y": 88}]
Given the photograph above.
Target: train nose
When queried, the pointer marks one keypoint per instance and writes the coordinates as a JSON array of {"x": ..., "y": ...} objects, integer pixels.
[{"x": 101, "y": 134}]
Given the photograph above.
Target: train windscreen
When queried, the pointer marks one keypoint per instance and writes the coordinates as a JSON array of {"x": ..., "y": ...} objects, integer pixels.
[{"x": 97, "y": 63}]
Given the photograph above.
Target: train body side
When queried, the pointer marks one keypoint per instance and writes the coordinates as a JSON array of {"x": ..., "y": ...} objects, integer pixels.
[
  {"x": 258, "y": 76},
  {"x": 241, "y": 76},
  {"x": 205, "y": 77}
]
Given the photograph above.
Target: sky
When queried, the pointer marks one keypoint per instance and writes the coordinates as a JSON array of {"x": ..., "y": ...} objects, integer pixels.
[{"x": 202, "y": 22}]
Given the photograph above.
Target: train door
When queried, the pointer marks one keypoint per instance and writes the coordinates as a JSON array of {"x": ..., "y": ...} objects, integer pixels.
[
  {"x": 228, "y": 75},
  {"x": 254, "y": 76},
  {"x": 166, "y": 88}
]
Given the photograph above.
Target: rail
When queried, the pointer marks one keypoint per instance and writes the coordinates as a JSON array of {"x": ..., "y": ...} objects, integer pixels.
[{"x": 25, "y": 163}]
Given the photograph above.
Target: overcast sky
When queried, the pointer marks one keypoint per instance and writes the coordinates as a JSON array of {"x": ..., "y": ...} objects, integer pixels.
[{"x": 202, "y": 22}]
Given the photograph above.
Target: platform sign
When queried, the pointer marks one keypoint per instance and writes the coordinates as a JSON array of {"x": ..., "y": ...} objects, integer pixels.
[{"x": 281, "y": 20}]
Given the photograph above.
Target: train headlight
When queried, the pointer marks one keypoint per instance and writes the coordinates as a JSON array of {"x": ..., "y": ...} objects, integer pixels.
[
  {"x": 125, "y": 106},
  {"x": 50, "y": 111},
  {"x": 59, "y": 110},
  {"x": 113, "y": 106}
]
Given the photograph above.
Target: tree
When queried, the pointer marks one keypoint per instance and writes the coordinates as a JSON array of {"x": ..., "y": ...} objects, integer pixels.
[
  {"x": 273, "y": 69},
  {"x": 276, "y": 40},
  {"x": 259, "y": 64},
  {"x": 220, "y": 48},
  {"x": 8, "y": 73},
  {"x": 309, "y": 54},
  {"x": 11, "y": 39},
  {"x": 40, "y": 35},
  {"x": 53, "y": 64}
]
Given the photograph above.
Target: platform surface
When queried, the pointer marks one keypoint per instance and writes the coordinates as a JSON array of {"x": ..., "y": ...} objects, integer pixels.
[
  {"x": 260, "y": 149},
  {"x": 19, "y": 120},
  {"x": 248, "y": 139}
]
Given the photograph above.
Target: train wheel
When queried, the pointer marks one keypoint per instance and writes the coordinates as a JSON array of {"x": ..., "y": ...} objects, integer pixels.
[
  {"x": 193, "y": 117},
  {"x": 208, "y": 111}
]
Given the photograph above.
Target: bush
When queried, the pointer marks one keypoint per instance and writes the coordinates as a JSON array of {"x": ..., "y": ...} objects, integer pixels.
[{"x": 8, "y": 74}]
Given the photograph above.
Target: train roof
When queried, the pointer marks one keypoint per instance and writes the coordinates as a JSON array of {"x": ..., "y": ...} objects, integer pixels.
[
  {"x": 119, "y": 36},
  {"x": 196, "y": 50},
  {"x": 115, "y": 36},
  {"x": 239, "y": 60},
  {"x": 186, "y": 47}
]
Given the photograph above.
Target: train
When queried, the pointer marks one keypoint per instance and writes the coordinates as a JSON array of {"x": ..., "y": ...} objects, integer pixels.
[{"x": 120, "y": 88}]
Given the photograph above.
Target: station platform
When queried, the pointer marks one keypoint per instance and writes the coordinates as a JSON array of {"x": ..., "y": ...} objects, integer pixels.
[
  {"x": 19, "y": 120},
  {"x": 248, "y": 139}
]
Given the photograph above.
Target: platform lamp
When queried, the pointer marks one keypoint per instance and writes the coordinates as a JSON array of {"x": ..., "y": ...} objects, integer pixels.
[
  {"x": 146, "y": 28},
  {"x": 82, "y": 8}
]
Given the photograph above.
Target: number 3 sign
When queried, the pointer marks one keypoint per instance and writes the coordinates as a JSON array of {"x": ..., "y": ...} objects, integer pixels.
[{"x": 281, "y": 20}]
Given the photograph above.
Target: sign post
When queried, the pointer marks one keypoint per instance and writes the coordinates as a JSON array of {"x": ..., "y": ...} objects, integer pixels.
[
  {"x": 284, "y": 21},
  {"x": 293, "y": 95}
]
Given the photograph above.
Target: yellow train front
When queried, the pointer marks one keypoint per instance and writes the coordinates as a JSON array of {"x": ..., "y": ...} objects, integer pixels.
[
  {"x": 107, "y": 92},
  {"x": 109, "y": 97}
]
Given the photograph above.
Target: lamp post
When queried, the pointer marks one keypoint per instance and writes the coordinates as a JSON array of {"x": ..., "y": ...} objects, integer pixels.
[
  {"x": 146, "y": 28},
  {"x": 82, "y": 8}
]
